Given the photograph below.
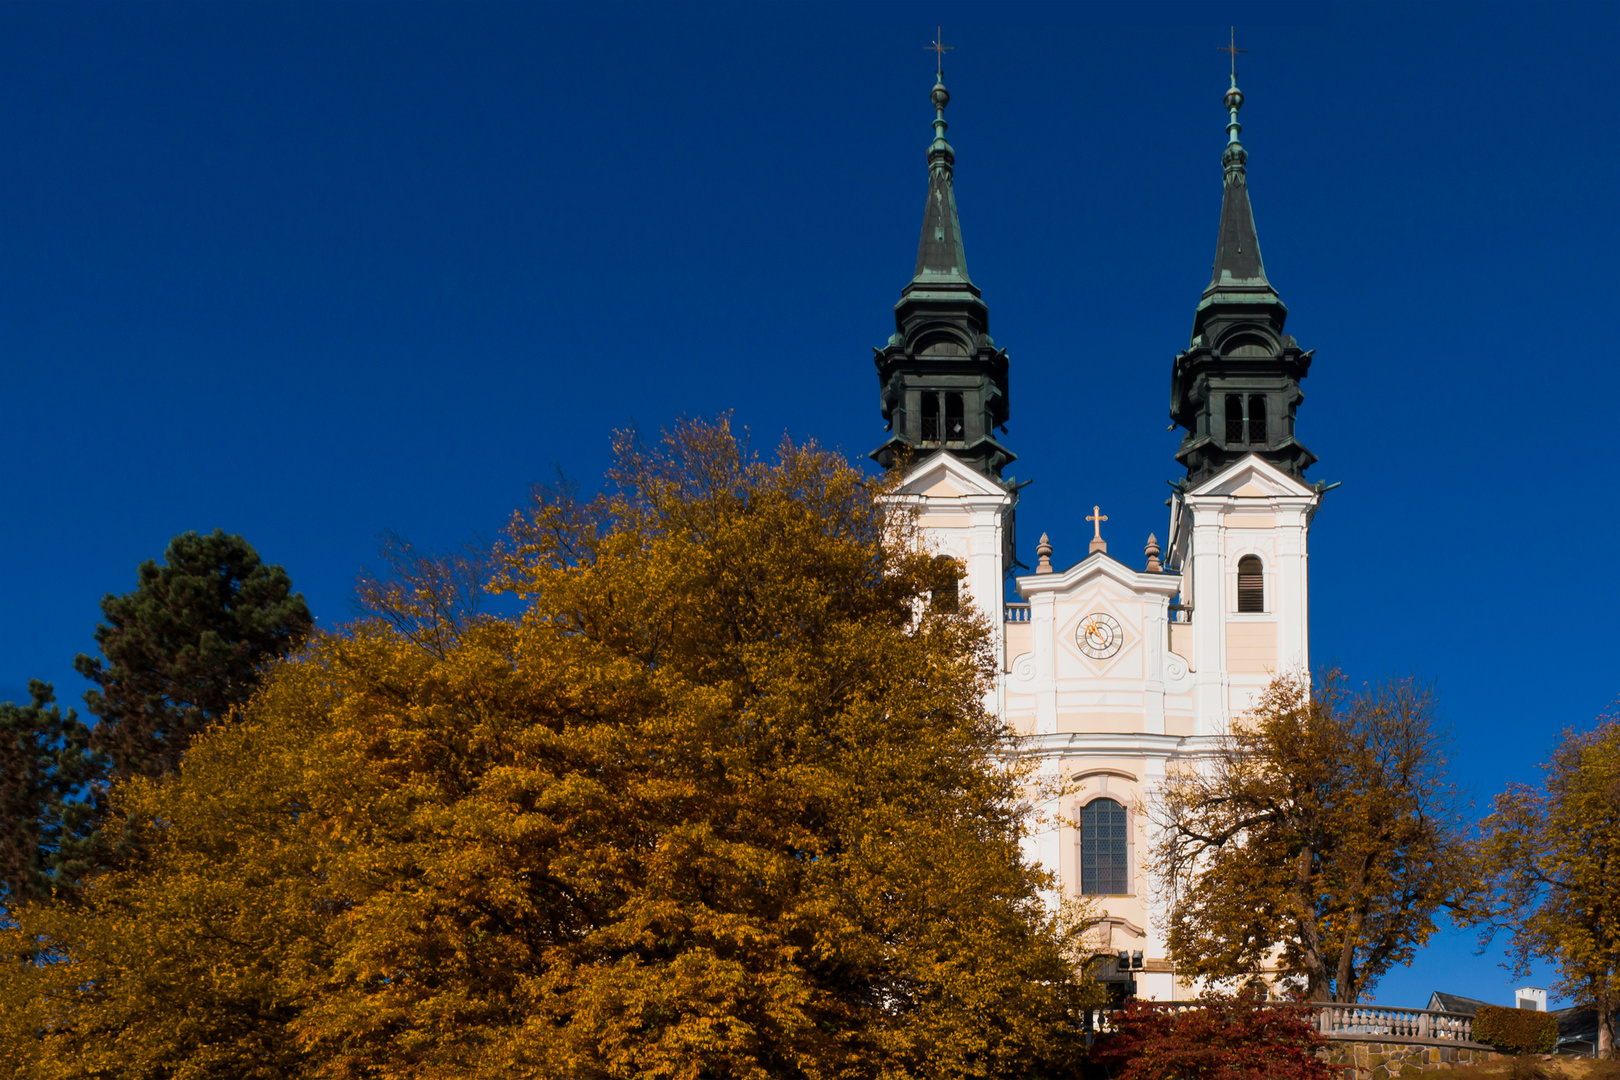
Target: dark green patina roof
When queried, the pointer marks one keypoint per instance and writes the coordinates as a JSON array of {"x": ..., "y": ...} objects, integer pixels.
[
  {"x": 940, "y": 254},
  {"x": 1236, "y": 387},
  {"x": 1237, "y": 251},
  {"x": 943, "y": 380}
]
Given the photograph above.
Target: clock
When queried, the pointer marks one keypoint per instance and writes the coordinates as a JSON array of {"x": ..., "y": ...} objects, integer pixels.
[{"x": 1099, "y": 636}]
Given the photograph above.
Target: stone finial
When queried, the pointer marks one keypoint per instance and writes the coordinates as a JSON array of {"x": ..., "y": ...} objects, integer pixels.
[
  {"x": 1152, "y": 553},
  {"x": 1043, "y": 552}
]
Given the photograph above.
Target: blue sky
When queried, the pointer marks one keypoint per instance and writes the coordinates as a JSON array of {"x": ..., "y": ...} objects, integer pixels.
[{"x": 313, "y": 272}]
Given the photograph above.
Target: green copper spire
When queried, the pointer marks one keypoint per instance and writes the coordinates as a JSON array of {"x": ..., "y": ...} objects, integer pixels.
[
  {"x": 1236, "y": 387},
  {"x": 944, "y": 382},
  {"x": 940, "y": 254},
  {"x": 1237, "y": 249}
]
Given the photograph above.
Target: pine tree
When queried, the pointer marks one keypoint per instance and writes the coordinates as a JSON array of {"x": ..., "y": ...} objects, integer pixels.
[
  {"x": 187, "y": 646},
  {"x": 48, "y": 799}
]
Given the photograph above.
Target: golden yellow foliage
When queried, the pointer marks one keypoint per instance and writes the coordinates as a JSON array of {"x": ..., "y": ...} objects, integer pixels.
[
  {"x": 724, "y": 802},
  {"x": 1554, "y": 852}
]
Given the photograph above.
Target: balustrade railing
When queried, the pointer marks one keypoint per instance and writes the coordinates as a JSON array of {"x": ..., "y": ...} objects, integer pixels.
[
  {"x": 1396, "y": 1025},
  {"x": 1015, "y": 612},
  {"x": 1347, "y": 1022}
]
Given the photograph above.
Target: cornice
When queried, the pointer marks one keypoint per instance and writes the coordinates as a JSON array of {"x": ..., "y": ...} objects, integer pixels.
[
  {"x": 1065, "y": 744},
  {"x": 1099, "y": 564}
]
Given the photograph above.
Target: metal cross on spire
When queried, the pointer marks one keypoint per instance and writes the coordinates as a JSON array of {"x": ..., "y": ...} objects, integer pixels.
[
  {"x": 1233, "y": 49},
  {"x": 939, "y": 49},
  {"x": 1097, "y": 517}
]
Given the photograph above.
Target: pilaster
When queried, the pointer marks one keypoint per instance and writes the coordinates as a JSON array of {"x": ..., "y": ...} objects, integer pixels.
[
  {"x": 1209, "y": 624},
  {"x": 1042, "y": 616}
]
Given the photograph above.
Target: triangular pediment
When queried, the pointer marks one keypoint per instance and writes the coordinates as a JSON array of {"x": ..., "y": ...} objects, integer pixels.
[
  {"x": 1253, "y": 477},
  {"x": 1096, "y": 566},
  {"x": 1099, "y": 565},
  {"x": 941, "y": 475}
]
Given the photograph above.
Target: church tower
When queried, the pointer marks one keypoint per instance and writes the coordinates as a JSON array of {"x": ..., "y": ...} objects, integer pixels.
[
  {"x": 1236, "y": 386},
  {"x": 944, "y": 382},
  {"x": 1239, "y": 521},
  {"x": 943, "y": 386},
  {"x": 1120, "y": 670}
]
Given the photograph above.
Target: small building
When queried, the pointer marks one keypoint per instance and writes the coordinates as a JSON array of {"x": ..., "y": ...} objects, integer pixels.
[{"x": 1454, "y": 1003}]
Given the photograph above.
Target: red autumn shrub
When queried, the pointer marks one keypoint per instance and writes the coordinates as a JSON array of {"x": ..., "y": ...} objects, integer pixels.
[{"x": 1224, "y": 1038}]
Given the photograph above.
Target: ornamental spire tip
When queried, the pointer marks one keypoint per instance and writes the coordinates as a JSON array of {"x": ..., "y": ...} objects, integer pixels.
[{"x": 1234, "y": 157}]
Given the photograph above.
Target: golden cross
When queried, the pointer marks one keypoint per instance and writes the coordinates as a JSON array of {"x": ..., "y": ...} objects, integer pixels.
[
  {"x": 1233, "y": 49},
  {"x": 940, "y": 48},
  {"x": 1096, "y": 517}
]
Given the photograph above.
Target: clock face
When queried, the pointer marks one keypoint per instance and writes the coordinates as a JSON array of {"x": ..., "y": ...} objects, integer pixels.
[{"x": 1099, "y": 636}]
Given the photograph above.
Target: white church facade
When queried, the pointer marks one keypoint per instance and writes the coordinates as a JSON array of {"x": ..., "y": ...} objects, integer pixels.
[{"x": 1127, "y": 663}]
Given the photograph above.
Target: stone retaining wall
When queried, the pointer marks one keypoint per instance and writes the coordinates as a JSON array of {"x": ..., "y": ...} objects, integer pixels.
[{"x": 1381, "y": 1060}]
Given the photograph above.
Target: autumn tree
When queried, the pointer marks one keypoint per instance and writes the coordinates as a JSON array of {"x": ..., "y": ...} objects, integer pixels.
[
  {"x": 724, "y": 802},
  {"x": 48, "y": 797},
  {"x": 1221, "y": 1037},
  {"x": 186, "y": 647},
  {"x": 427, "y": 597},
  {"x": 1320, "y": 839},
  {"x": 1554, "y": 853}
]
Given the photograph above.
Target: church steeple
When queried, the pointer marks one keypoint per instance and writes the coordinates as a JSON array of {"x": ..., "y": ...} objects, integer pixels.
[
  {"x": 1236, "y": 387},
  {"x": 943, "y": 381}
]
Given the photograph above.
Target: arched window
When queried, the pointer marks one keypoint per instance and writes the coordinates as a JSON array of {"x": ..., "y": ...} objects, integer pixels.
[
  {"x": 930, "y": 417},
  {"x": 1251, "y": 585},
  {"x": 947, "y": 596},
  {"x": 1257, "y": 420},
  {"x": 1104, "y": 849}
]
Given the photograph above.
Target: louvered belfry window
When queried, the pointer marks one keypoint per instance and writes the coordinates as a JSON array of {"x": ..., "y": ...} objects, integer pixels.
[
  {"x": 948, "y": 595},
  {"x": 1234, "y": 418},
  {"x": 1104, "y": 849},
  {"x": 1251, "y": 585}
]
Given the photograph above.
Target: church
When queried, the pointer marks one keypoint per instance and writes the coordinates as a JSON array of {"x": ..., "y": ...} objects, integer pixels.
[{"x": 1129, "y": 662}]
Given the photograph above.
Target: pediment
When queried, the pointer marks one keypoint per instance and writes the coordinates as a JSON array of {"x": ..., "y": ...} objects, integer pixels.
[
  {"x": 1087, "y": 571},
  {"x": 1253, "y": 477},
  {"x": 942, "y": 475}
]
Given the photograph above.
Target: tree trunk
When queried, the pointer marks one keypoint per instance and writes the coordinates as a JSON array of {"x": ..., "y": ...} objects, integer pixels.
[{"x": 1605, "y": 1020}]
